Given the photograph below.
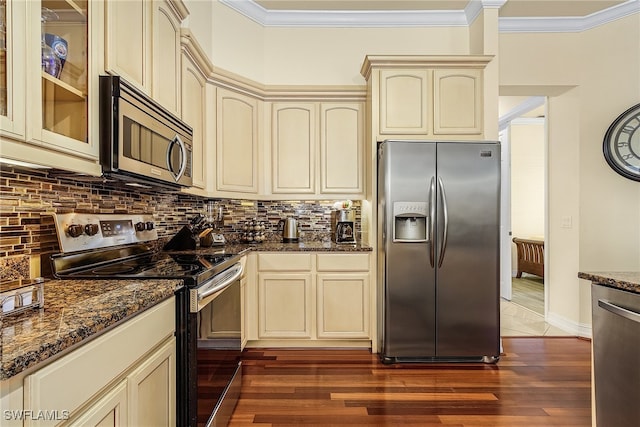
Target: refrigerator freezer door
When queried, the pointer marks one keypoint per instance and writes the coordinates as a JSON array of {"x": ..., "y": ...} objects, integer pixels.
[
  {"x": 467, "y": 297},
  {"x": 406, "y": 170}
]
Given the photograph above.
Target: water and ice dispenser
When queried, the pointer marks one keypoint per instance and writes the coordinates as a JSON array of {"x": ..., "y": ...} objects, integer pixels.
[{"x": 410, "y": 222}]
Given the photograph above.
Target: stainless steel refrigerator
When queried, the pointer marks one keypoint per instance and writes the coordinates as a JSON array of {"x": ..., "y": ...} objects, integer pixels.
[{"x": 439, "y": 251}]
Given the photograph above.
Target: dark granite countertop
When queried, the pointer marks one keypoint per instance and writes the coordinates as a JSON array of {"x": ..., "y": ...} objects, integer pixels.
[
  {"x": 74, "y": 312},
  {"x": 625, "y": 280},
  {"x": 304, "y": 246}
]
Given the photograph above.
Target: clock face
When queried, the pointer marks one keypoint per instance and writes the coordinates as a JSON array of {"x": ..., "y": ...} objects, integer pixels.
[{"x": 621, "y": 145}]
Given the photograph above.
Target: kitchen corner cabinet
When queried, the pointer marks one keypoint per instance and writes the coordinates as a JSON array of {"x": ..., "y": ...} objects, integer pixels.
[
  {"x": 426, "y": 97},
  {"x": 237, "y": 130},
  {"x": 317, "y": 149},
  {"x": 143, "y": 46},
  {"x": 48, "y": 83},
  {"x": 112, "y": 387},
  {"x": 310, "y": 299}
]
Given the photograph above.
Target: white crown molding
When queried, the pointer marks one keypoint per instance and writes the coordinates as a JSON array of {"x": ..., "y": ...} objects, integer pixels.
[
  {"x": 568, "y": 24},
  {"x": 423, "y": 18}
]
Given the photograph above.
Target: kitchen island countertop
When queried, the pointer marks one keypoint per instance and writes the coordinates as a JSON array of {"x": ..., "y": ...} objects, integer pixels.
[
  {"x": 74, "y": 312},
  {"x": 625, "y": 280}
]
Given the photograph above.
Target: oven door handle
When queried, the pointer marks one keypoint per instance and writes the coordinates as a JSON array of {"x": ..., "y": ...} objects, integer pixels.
[{"x": 204, "y": 294}]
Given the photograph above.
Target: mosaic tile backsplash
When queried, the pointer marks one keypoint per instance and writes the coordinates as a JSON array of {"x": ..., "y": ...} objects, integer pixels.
[{"x": 26, "y": 194}]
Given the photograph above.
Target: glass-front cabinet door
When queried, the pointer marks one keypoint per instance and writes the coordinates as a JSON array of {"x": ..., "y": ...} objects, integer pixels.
[
  {"x": 62, "y": 80},
  {"x": 12, "y": 73}
]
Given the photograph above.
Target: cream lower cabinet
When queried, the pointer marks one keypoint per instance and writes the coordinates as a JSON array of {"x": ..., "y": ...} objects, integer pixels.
[
  {"x": 317, "y": 149},
  {"x": 124, "y": 377},
  {"x": 311, "y": 299}
]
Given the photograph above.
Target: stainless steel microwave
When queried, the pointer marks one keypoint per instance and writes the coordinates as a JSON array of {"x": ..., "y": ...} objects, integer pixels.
[{"x": 140, "y": 141}]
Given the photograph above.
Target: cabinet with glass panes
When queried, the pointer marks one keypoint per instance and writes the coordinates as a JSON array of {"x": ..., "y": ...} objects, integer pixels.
[{"x": 47, "y": 90}]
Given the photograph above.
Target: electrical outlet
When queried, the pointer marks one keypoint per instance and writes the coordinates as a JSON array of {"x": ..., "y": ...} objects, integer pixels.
[{"x": 566, "y": 222}]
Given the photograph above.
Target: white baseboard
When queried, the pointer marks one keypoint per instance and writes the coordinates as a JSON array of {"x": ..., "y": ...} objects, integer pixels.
[{"x": 568, "y": 325}]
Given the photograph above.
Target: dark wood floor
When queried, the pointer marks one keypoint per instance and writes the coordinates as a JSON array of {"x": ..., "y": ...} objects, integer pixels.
[{"x": 537, "y": 382}]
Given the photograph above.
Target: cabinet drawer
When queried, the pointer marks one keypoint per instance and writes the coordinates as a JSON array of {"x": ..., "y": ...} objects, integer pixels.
[
  {"x": 284, "y": 262},
  {"x": 94, "y": 365},
  {"x": 343, "y": 262}
]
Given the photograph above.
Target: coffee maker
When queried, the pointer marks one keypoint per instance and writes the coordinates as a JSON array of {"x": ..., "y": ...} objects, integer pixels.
[{"x": 343, "y": 228}]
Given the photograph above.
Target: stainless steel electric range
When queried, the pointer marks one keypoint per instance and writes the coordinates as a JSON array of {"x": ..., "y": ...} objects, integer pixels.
[{"x": 208, "y": 342}]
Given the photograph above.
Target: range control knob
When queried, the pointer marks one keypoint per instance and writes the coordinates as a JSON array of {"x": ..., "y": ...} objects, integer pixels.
[
  {"x": 150, "y": 225},
  {"x": 75, "y": 230},
  {"x": 91, "y": 229},
  {"x": 140, "y": 226}
]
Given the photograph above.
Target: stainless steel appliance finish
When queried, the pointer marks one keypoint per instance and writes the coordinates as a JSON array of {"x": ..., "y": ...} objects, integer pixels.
[
  {"x": 343, "y": 226},
  {"x": 140, "y": 141},
  {"x": 289, "y": 230},
  {"x": 616, "y": 353},
  {"x": 438, "y": 260},
  {"x": 208, "y": 307}
]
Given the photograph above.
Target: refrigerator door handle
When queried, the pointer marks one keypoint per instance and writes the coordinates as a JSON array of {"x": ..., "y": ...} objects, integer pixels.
[
  {"x": 445, "y": 232},
  {"x": 432, "y": 215}
]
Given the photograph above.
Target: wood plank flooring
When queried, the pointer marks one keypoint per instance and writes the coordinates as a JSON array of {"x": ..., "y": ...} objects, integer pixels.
[{"x": 537, "y": 382}]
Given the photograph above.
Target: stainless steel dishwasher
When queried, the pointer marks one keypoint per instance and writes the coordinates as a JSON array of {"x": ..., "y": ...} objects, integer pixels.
[{"x": 616, "y": 353}]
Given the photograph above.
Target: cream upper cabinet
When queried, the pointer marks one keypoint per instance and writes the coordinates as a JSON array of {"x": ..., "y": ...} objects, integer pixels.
[
  {"x": 195, "y": 67},
  {"x": 317, "y": 149},
  {"x": 426, "y": 97},
  {"x": 404, "y": 106},
  {"x": 143, "y": 46},
  {"x": 48, "y": 83},
  {"x": 128, "y": 41},
  {"x": 294, "y": 144},
  {"x": 237, "y": 130},
  {"x": 12, "y": 69},
  {"x": 457, "y": 101},
  {"x": 342, "y": 148}
]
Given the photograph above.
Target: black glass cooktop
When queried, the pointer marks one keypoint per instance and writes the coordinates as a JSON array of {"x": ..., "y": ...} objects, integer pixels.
[{"x": 162, "y": 265}]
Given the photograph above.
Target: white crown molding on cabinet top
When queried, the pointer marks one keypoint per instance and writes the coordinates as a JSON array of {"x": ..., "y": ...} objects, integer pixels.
[{"x": 426, "y": 18}]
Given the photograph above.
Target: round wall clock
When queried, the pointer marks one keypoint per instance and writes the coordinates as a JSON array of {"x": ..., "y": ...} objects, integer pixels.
[{"x": 621, "y": 145}]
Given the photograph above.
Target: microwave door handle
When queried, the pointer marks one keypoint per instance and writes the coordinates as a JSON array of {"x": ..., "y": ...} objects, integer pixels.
[{"x": 183, "y": 162}]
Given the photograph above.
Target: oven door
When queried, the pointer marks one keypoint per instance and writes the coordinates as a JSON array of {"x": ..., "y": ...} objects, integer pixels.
[{"x": 218, "y": 350}]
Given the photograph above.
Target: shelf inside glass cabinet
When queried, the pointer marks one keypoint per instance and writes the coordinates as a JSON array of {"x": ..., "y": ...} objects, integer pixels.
[{"x": 65, "y": 65}]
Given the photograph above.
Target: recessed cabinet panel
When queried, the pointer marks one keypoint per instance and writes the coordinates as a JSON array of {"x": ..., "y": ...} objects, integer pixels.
[
  {"x": 284, "y": 305},
  {"x": 128, "y": 40},
  {"x": 237, "y": 142},
  {"x": 404, "y": 102},
  {"x": 293, "y": 148},
  {"x": 457, "y": 101},
  {"x": 166, "y": 58},
  {"x": 193, "y": 113},
  {"x": 343, "y": 305},
  {"x": 341, "y": 148}
]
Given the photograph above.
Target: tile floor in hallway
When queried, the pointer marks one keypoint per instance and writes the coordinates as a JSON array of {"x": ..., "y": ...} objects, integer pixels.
[{"x": 517, "y": 321}]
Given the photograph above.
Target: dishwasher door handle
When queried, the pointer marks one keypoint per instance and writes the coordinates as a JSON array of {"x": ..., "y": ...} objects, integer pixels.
[{"x": 620, "y": 311}]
